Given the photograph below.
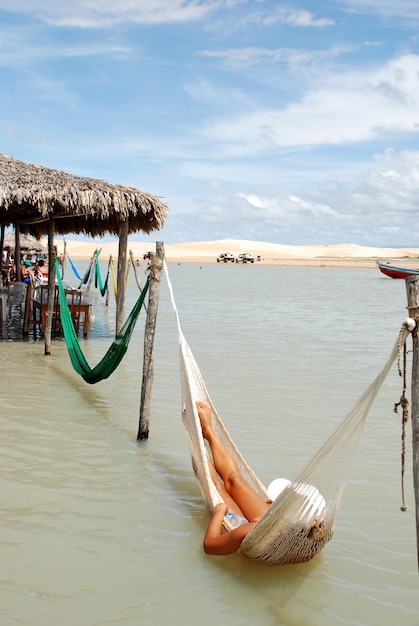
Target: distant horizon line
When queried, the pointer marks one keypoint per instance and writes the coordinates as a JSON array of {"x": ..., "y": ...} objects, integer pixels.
[{"x": 88, "y": 239}]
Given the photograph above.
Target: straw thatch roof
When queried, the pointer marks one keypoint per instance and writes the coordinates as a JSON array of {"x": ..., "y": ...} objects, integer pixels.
[
  {"x": 31, "y": 194},
  {"x": 27, "y": 244}
]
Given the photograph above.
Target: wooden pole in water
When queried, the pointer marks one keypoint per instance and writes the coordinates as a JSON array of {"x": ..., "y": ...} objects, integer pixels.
[
  {"x": 18, "y": 272},
  {"x": 122, "y": 270},
  {"x": 28, "y": 304},
  {"x": 64, "y": 260},
  {"x": 150, "y": 328},
  {"x": 2, "y": 232},
  {"x": 51, "y": 288},
  {"x": 412, "y": 288},
  {"x": 107, "y": 278}
]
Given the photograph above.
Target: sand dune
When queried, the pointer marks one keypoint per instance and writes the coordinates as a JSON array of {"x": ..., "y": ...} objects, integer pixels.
[{"x": 207, "y": 252}]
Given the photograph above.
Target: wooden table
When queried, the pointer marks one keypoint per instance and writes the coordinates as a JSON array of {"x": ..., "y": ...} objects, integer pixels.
[{"x": 40, "y": 313}]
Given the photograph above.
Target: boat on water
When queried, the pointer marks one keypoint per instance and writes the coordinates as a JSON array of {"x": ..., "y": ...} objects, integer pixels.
[{"x": 397, "y": 272}]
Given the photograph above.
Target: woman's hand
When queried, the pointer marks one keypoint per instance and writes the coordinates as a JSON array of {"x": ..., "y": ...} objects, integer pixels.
[
  {"x": 215, "y": 542},
  {"x": 215, "y": 528},
  {"x": 221, "y": 508}
]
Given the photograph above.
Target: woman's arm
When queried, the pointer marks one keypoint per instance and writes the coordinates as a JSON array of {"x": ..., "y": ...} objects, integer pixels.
[{"x": 215, "y": 542}]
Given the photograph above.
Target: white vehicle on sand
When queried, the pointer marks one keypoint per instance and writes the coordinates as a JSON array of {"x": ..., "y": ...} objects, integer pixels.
[
  {"x": 245, "y": 257},
  {"x": 225, "y": 257}
]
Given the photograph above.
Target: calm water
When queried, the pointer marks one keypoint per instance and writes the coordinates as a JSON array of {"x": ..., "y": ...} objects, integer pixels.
[{"x": 98, "y": 529}]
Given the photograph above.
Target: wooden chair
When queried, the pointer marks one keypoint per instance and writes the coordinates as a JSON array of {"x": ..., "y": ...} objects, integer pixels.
[
  {"x": 39, "y": 309},
  {"x": 78, "y": 309},
  {"x": 73, "y": 297}
]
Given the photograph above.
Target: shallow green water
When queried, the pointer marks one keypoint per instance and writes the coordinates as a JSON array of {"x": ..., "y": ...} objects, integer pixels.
[{"x": 99, "y": 529}]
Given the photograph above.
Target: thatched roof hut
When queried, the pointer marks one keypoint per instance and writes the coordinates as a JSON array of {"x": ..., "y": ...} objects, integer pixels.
[
  {"x": 30, "y": 195},
  {"x": 40, "y": 201},
  {"x": 28, "y": 245}
]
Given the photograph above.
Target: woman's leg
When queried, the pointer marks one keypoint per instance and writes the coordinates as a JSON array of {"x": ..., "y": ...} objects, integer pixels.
[
  {"x": 228, "y": 500},
  {"x": 250, "y": 502}
]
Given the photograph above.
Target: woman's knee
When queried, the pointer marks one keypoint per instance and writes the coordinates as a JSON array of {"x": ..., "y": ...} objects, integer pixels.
[{"x": 234, "y": 480}]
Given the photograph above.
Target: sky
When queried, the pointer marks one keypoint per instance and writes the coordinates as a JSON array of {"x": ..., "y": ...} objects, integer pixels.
[{"x": 293, "y": 123}]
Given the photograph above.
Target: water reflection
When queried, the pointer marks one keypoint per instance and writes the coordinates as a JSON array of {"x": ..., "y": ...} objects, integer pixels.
[{"x": 12, "y": 330}]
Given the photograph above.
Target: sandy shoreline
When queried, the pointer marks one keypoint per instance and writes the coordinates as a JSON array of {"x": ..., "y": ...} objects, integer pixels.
[{"x": 339, "y": 255}]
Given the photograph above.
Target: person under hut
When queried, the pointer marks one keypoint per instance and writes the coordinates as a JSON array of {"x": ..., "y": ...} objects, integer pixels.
[{"x": 24, "y": 271}]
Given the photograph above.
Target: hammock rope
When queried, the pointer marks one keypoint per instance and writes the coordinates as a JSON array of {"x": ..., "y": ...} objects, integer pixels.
[
  {"x": 116, "y": 351},
  {"x": 403, "y": 402},
  {"x": 134, "y": 269},
  {"x": 300, "y": 521}
]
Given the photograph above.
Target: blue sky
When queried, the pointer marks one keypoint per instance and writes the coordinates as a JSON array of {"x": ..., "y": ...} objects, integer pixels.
[{"x": 292, "y": 123}]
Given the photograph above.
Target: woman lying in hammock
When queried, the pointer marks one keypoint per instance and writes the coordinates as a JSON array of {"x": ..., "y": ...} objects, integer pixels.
[{"x": 238, "y": 496}]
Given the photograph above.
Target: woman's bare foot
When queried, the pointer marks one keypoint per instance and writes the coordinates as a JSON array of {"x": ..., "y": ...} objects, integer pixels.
[{"x": 204, "y": 413}]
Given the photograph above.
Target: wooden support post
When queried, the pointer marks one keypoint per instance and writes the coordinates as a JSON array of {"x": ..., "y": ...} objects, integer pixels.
[
  {"x": 122, "y": 270},
  {"x": 150, "y": 328},
  {"x": 64, "y": 260},
  {"x": 2, "y": 231},
  {"x": 51, "y": 289},
  {"x": 18, "y": 272},
  {"x": 412, "y": 288},
  {"x": 28, "y": 305},
  {"x": 107, "y": 278}
]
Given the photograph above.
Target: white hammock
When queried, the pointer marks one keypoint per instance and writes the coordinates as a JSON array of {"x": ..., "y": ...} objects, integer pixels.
[{"x": 300, "y": 520}]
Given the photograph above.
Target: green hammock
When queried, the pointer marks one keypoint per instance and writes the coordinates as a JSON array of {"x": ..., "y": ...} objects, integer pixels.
[
  {"x": 98, "y": 278},
  {"x": 117, "y": 350}
]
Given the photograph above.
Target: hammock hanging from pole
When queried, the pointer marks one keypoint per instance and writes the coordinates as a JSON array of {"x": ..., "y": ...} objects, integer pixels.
[
  {"x": 300, "y": 521},
  {"x": 115, "y": 285},
  {"x": 74, "y": 268},
  {"x": 83, "y": 280},
  {"x": 98, "y": 277},
  {"x": 115, "y": 353}
]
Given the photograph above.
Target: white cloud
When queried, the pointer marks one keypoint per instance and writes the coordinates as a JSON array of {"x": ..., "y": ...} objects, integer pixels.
[
  {"x": 17, "y": 47},
  {"x": 246, "y": 57},
  {"x": 407, "y": 9},
  {"x": 285, "y": 15},
  {"x": 253, "y": 200},
  {"x": 303, "y": 18},
  {"x": 105, "y": 13},
  {"x": 375, "y": 206},
  {"x": 212, "y": 95},
  {"x": 350, "y": 107}
]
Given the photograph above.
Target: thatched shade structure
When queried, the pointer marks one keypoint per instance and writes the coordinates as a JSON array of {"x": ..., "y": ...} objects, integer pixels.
[
  {"x": 30, "y": 195},
  {"x": 40, "y": 201},
  {"x": 28, "y": 245}
]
